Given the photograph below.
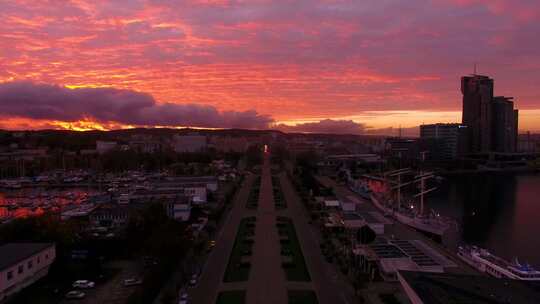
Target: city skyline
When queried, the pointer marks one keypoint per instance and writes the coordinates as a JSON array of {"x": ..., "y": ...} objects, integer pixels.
[{"x": 334, "y": 66}]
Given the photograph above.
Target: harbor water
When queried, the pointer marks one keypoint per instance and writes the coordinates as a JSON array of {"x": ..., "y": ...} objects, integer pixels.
[{"x": 497, "y": 211}]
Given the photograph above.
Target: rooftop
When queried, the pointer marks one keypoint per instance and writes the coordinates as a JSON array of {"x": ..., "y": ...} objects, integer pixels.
[
  {"x": 351, "y": 217},
  {"x": 13, "y": 253},
  {"x": 445, "y": 288}
]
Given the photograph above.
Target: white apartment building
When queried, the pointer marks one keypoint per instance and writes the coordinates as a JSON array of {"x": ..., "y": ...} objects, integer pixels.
[
  {"x": 178, "y": 210},
  {"x": 103, "y": 147},
  {"x": 22, "y": 264}
]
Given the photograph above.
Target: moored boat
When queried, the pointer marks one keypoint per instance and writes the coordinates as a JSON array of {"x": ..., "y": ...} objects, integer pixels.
[{"x": 486, "y": 262}]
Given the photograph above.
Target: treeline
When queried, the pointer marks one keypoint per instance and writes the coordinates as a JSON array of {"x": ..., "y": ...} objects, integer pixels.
[
  {"x": 164, "y": 242},
  {"x": 304, "y": 174},
  {"x": 118, "y": 161}
]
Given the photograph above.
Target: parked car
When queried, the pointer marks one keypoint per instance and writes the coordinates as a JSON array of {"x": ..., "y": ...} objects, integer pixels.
[
  {"x": 184, "y": 298},
  {"x": 132, "y": 282},
  {"x": 75, "y": 294},
  {"x": 193, "y": 280},
  {"x": 84, "y": 284},
  {"x": 211, "y": 245},
  {"x": 149, "y": 261}
]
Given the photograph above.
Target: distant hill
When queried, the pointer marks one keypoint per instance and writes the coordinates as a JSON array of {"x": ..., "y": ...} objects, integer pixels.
[{"x": 76, "y": 140}]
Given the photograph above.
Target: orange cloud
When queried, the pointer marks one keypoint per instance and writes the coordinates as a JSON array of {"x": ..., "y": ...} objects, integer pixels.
[{"x": 322, "y": 59}]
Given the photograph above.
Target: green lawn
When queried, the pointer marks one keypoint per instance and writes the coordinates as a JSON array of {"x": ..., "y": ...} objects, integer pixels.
[
  {"x": 302, "y": 297},
  {"x": 295, "y": 268},
  {"x": 232, "y": 297},
  {"x": 253, "y": 197},
  {"x": 279, "y": 199},
  {"x": 239, "y": 264},
  {"x": 388, "y": 298}
]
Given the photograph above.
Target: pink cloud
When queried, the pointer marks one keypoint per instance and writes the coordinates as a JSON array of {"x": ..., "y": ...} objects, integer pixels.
[
  {"x": 296, "y": 60},
  {"x": 523, "y": 10}
]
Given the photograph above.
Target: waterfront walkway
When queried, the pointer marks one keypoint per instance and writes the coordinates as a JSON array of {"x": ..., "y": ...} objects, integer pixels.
[{"x": 401, "y": 231}]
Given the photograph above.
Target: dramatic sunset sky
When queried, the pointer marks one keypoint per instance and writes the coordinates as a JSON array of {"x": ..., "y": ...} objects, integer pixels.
[{"x": 334, "y": 65}]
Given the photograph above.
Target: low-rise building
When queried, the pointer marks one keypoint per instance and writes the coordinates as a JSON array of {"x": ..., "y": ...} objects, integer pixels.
[
  {"x": 229, "y": 143},
  {"x": 145, "y": 146},
  {"x": 22, "y": 264},
  {"x": 211, "y": 182},
  {"x": 443, "y": 141},
  {"x": 24, "y": 154},
  {"x": 374, "y": 220},
  {"x": 103, "y": 147},
  {"x": 113, "y": 215},
  {"x": 442, "y": 288},
  {"x": 179, "y": 210},
  {"x": 189, "y": 143},
  {"x": 332, "y": 204},
  {"x": 384, "y": 258},
  {"x": 198, "y": 191}
]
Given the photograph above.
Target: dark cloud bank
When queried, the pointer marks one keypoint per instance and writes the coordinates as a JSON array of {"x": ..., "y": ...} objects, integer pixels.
[
  {"x": 50, "y": 102},
  {"x": 329, "y": 126},
  {"x": 108, "y": 105}
]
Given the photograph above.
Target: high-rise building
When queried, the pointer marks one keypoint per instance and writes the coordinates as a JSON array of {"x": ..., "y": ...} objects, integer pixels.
[
  {"x": 504, "y": 125},
  {"x": 477, "y": 100},
  {"x": 443, "y": 141},
  {"x": 492, "y": 121}
]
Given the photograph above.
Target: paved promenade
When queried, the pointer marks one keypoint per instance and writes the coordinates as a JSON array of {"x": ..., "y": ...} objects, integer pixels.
[
  {"x": 267, "y": 283},
  {"x": 267, "y": 279}
]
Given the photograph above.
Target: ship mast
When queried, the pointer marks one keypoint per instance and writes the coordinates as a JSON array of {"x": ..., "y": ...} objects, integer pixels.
[
  {"x": 399, "y": 185},
  {"x": 422, "y": 177}
]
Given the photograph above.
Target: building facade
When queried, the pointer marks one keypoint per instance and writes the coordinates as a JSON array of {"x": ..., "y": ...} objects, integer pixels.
[
  {"x": 505, "y": 125},
  {"x": 492, "y": 121},
  {"x": 189, "y": 143},
  {"x": 447, "y": 140},
  {"x": 103, "y": 147},
  {"x": 22, "y": 264},
  {"x": 477, "y": 100}
]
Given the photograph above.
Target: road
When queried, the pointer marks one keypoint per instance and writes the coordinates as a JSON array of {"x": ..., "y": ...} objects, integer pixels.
[{"x": 213, "y": 270}]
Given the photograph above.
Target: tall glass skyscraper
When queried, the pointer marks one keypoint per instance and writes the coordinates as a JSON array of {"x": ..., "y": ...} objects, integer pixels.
[{"x": 492, "y": 121}]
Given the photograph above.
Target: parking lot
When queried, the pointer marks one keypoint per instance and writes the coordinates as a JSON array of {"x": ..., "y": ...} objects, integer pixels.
[{"x": 113, "y": 290}]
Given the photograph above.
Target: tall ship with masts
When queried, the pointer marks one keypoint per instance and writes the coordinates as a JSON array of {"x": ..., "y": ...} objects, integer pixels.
[{"x": 412, "y": 211}]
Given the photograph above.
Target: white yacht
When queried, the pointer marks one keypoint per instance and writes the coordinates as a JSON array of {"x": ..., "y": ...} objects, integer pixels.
[{"x": 495, "y": 266}]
